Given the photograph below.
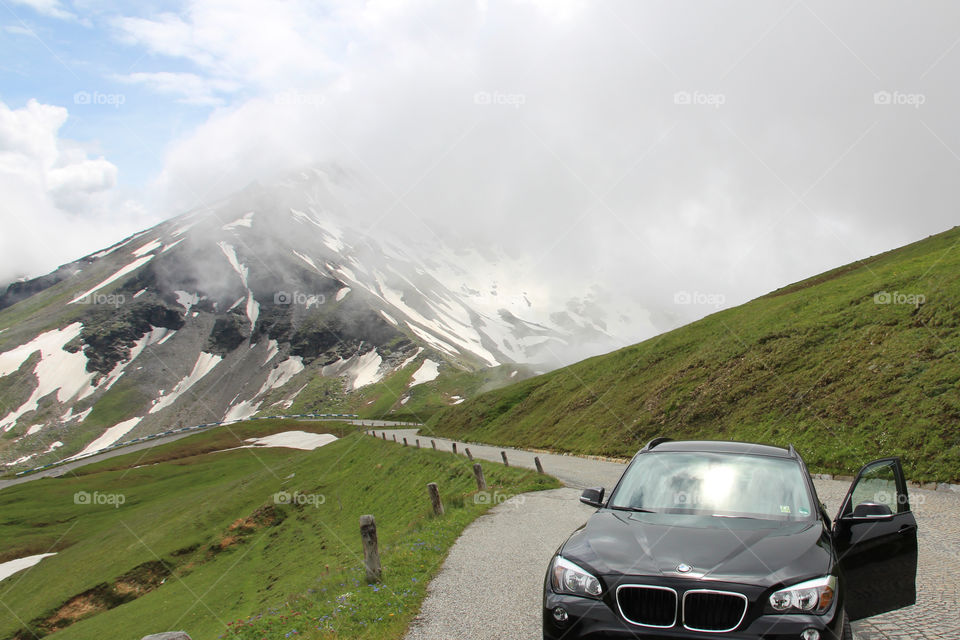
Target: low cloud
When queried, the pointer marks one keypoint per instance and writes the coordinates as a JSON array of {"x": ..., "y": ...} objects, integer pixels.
[{"x": 59, "y": 201}]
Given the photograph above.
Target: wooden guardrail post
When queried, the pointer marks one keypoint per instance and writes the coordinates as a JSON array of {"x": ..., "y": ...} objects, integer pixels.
[
  {"x": 384, "y": 434},
  {"x": 371, "y": 549},
  {"x": 394, "y": 437},
  {"x": 418, "y": 442},
  {"x": 536, "y": 461},
  {"x": 434, "y": 492},
  {"x": 433, "y": 442},
  {"x": 404, "y": 442},
  {"x": 454, "y": 447},
  {"x": 503, "y": 454},
  {"x": 469, "y": 455},
  {"x": 478, "y": 474}
]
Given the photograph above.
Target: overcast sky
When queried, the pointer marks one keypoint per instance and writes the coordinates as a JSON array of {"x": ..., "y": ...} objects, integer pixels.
[{"x": 672, "y": 152}]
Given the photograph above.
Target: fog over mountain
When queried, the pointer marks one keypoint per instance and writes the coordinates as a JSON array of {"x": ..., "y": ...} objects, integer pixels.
[{"x": 682, "y": 156}]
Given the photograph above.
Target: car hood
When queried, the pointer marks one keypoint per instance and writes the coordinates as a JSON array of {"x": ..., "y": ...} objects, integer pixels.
[{"x": 764, "y": 553}]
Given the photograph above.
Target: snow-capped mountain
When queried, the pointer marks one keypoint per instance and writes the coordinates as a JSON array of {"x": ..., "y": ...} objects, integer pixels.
[{"x": 242, "y": 306}]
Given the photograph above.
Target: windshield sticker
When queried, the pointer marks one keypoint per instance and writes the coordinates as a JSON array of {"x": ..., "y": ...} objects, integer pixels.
[
  {"x": 803, "y": 511},
  {"x": 784, "y": 508}
]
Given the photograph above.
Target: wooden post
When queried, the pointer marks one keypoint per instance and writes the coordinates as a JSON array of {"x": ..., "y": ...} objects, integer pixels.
[
  {"x": 536, "y": 461},
  {"x": 478, "y": 474},
  {"x": 454, "y": 447},
  {"x": 435, "y": 498},
  {"x": 404, "y": 442},
  {"x": 371, "y": 550},
  {"x": 394, "y": 437},
  {"x": 503, "y": 454},
  {"x": 384, "y": 434},
  {"x": 469, "y": 455},
  {"x": 434, "y": 444},
  {"x": 418, "y": 443}
]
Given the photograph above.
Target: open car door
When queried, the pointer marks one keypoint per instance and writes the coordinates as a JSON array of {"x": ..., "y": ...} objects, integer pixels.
[{"x": 875, "y": 536}]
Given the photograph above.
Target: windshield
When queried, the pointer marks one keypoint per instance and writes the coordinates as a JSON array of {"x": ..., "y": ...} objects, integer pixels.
[{"x": 715, "y": 484}]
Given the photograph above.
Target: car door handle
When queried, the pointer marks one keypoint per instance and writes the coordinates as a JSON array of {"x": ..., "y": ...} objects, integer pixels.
[{"x": 907, "y": 528}]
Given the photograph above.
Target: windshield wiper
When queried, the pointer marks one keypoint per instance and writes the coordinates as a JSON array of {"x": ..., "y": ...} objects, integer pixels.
[{"x": 634, "y": 509}]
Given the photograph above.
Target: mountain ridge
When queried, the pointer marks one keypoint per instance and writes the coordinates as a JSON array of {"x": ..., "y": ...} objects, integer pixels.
[{"x": 227, "y": 310}]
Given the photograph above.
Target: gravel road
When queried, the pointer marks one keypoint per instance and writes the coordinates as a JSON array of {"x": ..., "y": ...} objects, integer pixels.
[{"x": 490, "y": 585}]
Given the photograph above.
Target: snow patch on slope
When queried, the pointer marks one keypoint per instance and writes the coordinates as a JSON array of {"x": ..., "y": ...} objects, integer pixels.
[
  {"x": 108, "y": 437},
  {"x": 252, "y": 308},
  {"x": 358, "y": 370},
  {"x": 307, "y": 259},
  {"x": 133, "y": 266},
  {"x": 303, "y": 440},
  {"x": 427, "y": 372},
  {"x": 187, "y": 300},
  {"x": 57, "y": 370},
  {"x": 204, "y": 365},
  {"x": 11, "y": 567},
  {"x": 245, "y": 221},
  {"x": 150, "y": 247}
]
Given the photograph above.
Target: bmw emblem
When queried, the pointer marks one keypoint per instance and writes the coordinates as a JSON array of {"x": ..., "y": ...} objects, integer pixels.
[{"x": 683, "y": 568}]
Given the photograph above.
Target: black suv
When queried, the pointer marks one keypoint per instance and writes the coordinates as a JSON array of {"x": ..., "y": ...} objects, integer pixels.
[{"x": 729, "y": 540}]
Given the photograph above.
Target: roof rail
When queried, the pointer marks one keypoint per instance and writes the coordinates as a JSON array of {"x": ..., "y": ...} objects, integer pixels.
[
  {"x": 655, "y": 443},
  {"x": 793, "y": 452}
]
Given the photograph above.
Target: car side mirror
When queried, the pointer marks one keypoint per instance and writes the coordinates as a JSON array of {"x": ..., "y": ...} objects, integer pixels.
[
  {"x": 866, "y": 510},
  {"x": 593, "y": 497}
]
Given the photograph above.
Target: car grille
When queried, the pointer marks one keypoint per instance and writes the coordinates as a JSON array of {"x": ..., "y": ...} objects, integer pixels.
[
  {"x": 648, "y": 606},
  {"x": 706, "y": 610}
]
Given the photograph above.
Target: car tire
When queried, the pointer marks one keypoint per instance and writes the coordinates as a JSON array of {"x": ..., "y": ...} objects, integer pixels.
[{"x": 847, "y": 631}]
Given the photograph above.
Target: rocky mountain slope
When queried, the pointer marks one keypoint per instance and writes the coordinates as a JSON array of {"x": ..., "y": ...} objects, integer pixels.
[{"x": 238, "y": 308}]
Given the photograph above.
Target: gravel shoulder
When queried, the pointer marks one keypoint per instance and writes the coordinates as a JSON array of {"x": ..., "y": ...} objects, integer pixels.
[{"x": 494, "y": 573}]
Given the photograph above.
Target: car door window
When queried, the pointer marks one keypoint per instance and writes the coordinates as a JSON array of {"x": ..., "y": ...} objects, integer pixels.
[{"x": 878, "y": 485}]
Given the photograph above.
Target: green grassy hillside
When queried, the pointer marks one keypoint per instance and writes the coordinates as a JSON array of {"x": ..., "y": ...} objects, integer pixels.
[
  {"x": 853, "y": 364},
  {"x": 188, "y": 536}
]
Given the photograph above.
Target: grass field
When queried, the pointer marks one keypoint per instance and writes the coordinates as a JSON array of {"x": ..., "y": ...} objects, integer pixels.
[
  {"x": 853, "y": 364},
  {"x": 243, "y": 544}
]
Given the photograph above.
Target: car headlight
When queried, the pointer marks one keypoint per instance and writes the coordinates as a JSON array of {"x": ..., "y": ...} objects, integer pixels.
[
  {"x": 567, "y": 577},
  {"x": 812, "y": 596}
]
